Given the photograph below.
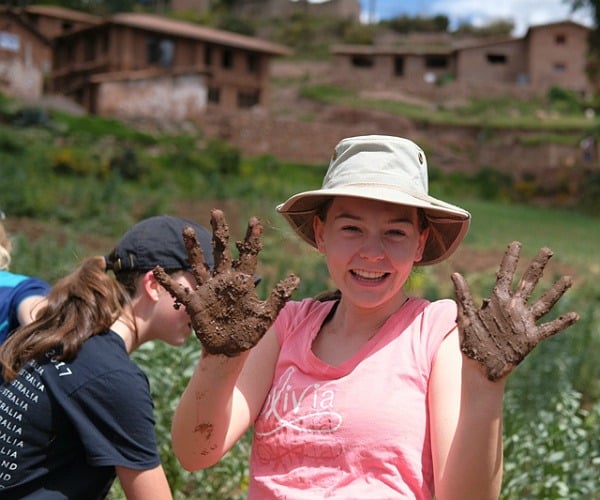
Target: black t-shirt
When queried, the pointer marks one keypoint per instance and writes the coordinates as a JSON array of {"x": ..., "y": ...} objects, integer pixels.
[{"x": 65, "y": 426}]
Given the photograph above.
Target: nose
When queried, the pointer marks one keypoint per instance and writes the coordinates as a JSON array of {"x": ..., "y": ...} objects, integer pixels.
[{"x": 372, "y": 250}]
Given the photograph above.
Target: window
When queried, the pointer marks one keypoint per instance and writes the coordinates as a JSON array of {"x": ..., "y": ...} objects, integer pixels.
[
  {"x": 560, "y": 39},
  {"x": 248, "y": 99},
  {"x": 560, "y": 67},
  {"x": 252, "y": 63},
  {"x": 208, "y": 53},
  {"x": 89, "y": 49},
  {"x": 399, "y": 66},
  {"x": 167, "y": 51},
  {"x": 214, "y": 95},
  {"x": 359, "y": 61},
  {"x": 9, "y": 42},
  {"x": 160, "y": 51},
  {"x": 436, "y": 62},
  {"x": 496, "y": 58},
  {"x": 227, "y": 58},
  {"x": 105, "y": 43}
]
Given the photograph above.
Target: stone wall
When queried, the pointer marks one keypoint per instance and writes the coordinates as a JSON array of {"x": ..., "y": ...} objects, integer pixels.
[
  {"x": 552, "y": 171},
  {"x": 170, "y": 99}
]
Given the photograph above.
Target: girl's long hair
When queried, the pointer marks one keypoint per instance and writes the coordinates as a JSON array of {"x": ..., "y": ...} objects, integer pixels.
[{"x": 82, "y": 304}]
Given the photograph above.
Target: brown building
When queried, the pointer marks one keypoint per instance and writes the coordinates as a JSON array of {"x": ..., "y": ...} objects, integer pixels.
[
  {"x": 386, "y": 66},
  {"x": 557, "y": 55},
  {"x": 548, "y": 55},
  {"x": 25, "y": 56},
  {"x": 150, "y": 67},
  {"x": 26, "y": 45}
]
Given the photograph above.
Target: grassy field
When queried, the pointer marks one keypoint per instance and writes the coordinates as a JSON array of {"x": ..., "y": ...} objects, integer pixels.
[{"x": 574, "y": 237}]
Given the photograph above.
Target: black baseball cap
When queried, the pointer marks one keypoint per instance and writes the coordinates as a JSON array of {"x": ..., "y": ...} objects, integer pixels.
[{"x": 158, "y": 241}]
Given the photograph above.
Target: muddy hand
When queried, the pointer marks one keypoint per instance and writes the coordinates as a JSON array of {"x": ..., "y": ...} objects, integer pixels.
[
  {"x": 504, "y": 330},
  {"x": 226, "y": 313}
]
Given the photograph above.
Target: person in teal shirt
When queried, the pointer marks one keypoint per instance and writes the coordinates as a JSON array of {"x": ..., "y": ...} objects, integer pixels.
[{"x": 20, "y": 295}]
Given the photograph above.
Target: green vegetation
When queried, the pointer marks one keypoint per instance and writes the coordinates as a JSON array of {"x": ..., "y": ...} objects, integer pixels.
[
  {"x": 70, "y": 186},
  {"x": 559, "y": 111}
]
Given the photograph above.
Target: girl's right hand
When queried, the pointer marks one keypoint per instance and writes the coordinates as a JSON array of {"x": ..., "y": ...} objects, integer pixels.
[{"x": 226, "y": 314}]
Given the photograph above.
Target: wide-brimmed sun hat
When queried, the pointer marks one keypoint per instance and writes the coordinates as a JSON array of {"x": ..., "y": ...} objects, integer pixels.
[{"x": 384, "y": 168}]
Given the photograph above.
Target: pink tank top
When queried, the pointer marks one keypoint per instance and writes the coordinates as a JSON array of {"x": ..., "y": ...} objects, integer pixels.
[{"x": 354, "y": 431}]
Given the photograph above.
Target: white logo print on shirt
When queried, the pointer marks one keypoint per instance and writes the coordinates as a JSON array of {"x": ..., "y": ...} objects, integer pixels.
[{"x": 308, "y": 410}]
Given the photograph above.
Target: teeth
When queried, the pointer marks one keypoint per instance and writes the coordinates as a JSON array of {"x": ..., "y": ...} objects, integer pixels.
[{"x": 368, "y": 274}]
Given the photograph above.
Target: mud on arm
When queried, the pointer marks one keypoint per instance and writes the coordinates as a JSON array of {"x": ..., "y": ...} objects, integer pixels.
[{"x": 229, "y": 320}]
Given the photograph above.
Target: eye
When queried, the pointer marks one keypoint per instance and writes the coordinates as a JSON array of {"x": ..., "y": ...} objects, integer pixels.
[
  {"x": 350, "y": 228},
  {"x": 396, "y": 232}
]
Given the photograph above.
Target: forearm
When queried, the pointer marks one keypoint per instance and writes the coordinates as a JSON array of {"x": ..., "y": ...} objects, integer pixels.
[
  {"x": 473, "y": 468},
  {"x": 149, "y": 484},
  {"x": 466, "y": 426},
  {"x": 203, "y": 428}
]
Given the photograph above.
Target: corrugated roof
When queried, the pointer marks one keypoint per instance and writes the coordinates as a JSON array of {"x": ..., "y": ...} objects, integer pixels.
[{"x": 198, "y": 32}]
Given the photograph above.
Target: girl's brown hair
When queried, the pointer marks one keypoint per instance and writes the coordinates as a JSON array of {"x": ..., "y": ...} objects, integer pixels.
[{"x": 82, "y": 304}]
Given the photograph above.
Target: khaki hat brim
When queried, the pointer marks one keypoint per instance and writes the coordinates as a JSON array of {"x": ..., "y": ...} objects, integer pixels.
[{"x": 448, "y": 223}]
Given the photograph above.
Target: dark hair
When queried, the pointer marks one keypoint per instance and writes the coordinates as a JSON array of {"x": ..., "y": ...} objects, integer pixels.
[{"x": 82, "y": 304}]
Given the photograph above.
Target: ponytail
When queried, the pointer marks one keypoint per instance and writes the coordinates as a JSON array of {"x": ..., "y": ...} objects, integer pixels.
[{"x": 82, "y": 304}]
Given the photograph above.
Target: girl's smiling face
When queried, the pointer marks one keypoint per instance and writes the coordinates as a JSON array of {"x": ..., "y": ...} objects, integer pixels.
[{"x": 370, "y": 247}]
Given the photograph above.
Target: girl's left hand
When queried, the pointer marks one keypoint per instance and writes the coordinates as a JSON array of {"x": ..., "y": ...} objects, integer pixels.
[{"x": 503, "y": 331}]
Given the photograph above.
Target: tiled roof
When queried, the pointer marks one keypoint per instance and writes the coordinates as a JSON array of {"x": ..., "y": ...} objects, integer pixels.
[
  {"x": 198, "y": 32},
  {"x": 63, "y": 13}
]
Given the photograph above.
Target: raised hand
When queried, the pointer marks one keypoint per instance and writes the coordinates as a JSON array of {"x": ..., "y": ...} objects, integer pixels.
[
  {"x": 226, "y": 313},
  {"x": 504, "y": 330}
]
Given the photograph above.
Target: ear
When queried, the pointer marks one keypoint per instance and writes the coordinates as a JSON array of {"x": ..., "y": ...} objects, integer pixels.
[
  {"x": 423, "y": 237},
  {"x": 150, "y": 286},
  {"x": 318, "y": 229}
]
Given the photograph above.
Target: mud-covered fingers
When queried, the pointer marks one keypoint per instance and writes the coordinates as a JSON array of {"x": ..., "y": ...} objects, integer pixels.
[
  {"x": 467, "y": 314},
  {"x": 546, "y": 302},
  {"x": 507, "y": 270},
  {"x": 221, "y": 252},
  {"x": 250, "y": 247},
  {"x": 557, "y": 325},
  {"x": 462, "y": 292},
  {"x": 195, "y": 256},
  {"x": 177, "y": 291},
  {"x": 532, "y": 274},
  {"x": 281, "y": 294}
]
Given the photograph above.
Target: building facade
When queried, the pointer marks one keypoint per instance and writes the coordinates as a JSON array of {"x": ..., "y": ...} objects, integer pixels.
[
  {"x": 548, "y": 55},
  {"x": 25, "y": 56},
  {"x": 147, "y": 66}
]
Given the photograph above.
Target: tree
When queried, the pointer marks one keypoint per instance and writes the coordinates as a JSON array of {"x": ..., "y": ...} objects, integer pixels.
[{"x": 593, "y": 62}]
